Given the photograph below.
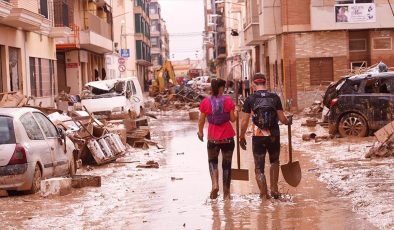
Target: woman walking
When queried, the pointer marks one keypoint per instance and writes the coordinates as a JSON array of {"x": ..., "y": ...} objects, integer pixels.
[{"x": 219, "y": 110}]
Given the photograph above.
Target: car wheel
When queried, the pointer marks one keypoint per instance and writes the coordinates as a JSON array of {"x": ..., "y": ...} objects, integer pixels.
[
  {"x": 36, "y": 183},
  {"x": 353, "y": 124}
]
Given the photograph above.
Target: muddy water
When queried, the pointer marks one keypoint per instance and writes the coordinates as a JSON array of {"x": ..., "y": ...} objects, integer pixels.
[{"x": 175, "y": 196}]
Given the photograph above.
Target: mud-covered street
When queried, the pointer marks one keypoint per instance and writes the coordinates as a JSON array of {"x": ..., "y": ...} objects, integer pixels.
[{"x": 176, "y": 196}]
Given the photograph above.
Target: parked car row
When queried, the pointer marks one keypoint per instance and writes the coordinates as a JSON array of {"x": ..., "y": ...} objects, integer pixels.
[{"x": 32, "y": 148}]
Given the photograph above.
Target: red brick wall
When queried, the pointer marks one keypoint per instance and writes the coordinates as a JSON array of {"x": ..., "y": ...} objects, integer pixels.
[
  {"x": 296, "y": 12},
  {"x": 387, "y": 56}
]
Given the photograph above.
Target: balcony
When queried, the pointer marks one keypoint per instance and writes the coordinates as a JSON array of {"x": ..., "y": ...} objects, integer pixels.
[
  {"x": 143, "y": 38},
  {"x": 63, "y": 18},
  {"x": 25, "y": 19},
  {"x": 98, "y": 26},
  {"x": 5, "y": 9},
  {"x": 252, "y": 32},
  {"x": 141, "y": 11}
]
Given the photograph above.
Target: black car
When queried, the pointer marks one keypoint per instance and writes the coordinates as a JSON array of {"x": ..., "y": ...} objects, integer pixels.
[{"x": 360, "y": 104}]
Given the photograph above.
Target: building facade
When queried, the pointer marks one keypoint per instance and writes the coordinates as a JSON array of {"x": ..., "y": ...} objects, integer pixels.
[
  {"x": 87, "y": 30},
  {"x": 304, "y": 45},
  {"x": 27, "y": 50},
  {"x": 159, "y": 36},
  {"x": 132, "y": 33}
]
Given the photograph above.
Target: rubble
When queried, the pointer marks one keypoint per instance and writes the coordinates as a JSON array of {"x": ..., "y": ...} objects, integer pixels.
[
  {"x": 315, "y": 110},
  {"x": 185, "y": 98},
  {"x": 81, "y": 181},
  {"x": 3, "y": 193},
  {"x": 385, "y": 145},
  {"x": 149, "y": 164},
  {"x": 55, "y": 187}
]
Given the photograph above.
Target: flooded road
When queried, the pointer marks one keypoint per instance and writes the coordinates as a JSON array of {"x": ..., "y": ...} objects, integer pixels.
[{"x": 176, "y": 196}]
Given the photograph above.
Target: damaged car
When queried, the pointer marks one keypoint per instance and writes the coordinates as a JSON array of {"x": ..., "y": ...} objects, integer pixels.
[
  {"x": 114, "y": 96},
  {"x": 360, "y": 104},
  {"x": 31, "y": 149}
]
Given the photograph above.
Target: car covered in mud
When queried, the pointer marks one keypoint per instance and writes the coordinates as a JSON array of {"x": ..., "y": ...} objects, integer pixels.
[
  {"x": 114, "y": 96},
  {"x": 361, "y": 104},
  {"x": 32, "y": 148}
]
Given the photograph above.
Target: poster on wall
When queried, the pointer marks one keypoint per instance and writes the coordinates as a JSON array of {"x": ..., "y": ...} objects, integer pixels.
[{"x": 355, "y": 13}]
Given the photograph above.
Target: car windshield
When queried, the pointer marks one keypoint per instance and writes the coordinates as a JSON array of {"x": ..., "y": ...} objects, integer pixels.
[{"x": 7, "y": 134}]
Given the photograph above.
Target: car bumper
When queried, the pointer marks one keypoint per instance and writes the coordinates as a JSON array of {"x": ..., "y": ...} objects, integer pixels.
[{"x": 16, "y": 177}]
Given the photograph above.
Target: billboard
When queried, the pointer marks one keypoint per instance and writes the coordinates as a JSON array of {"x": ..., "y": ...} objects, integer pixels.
[{"x": 355, "y": 13}]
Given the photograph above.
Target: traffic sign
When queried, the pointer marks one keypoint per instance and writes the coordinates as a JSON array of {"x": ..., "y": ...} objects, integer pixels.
[
  {"x": 121, "y": 61},
  {"x": 125, "y": 53},
  {"x": 122, "y": 68}
]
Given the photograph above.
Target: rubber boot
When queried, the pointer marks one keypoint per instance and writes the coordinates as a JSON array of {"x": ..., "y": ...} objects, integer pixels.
[
  {"x": 274, "y": 177},
  {"x": 215, "y": 183},
  {"x": 262, "y": 183}
]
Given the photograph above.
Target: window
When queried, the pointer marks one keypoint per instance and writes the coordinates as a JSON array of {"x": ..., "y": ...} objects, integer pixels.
[
  {"x": 383, "y": 43},
  {"x": 358, "y": 64},
  {"x": 133, "y": 88},
  {"x": 155, "y": 25},
  {"x": 14, "y": 68},
  {"x": 7, "y": 134},
  {"x": 154, "y": 42},
  {"x": 42, "y": 77},
  {"x": 376, "y": 85},
  {"x": 44, "y": 8},
  {"x": 32, "y": 129},
  {"x": 47, "y": 126},
  {"x": 357, "y": 45}
]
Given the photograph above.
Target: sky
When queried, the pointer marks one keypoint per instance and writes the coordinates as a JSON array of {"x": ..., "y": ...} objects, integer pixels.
[{"x": 185, "y": 24}]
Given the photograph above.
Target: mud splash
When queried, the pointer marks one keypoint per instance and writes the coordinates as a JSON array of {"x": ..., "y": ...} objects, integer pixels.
[{"x": 132, "y": 198}]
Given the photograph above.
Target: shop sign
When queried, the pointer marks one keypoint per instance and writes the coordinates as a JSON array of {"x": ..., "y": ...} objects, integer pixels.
[{"x": 355, "y": 13}]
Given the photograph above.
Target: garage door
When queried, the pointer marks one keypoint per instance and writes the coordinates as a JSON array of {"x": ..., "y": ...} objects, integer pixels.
[{"x": 322, "y": 71}]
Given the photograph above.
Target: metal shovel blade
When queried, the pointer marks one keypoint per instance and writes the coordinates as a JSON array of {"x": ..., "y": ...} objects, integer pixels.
[
  {"x": 292, "y": 173},
  {"x": 240, "y": 174}
]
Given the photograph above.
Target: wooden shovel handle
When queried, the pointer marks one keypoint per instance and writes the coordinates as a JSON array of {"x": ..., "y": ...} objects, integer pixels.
[{"x": 290, "y": 146}]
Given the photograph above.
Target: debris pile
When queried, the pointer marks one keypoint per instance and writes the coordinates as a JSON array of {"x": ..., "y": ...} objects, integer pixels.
[
  {"x": 185, "y": 98},
  {"x": 385, "y": 146},
  {"x": 315, "y": 110}
]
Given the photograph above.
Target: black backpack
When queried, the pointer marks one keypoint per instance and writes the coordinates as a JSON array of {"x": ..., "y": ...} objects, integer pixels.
[{"x": 264, "y": 111}]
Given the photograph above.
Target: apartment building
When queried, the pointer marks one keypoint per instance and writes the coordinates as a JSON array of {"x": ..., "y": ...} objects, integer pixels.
[
  {"x": 132, "y": 32},
  {"x": 85, "y": 31},
  {"x": 159, "y": 36},
  {"x": 303, "y": 45},
  {"x": 27, "y": 49},
  {"x": 225, "y": 52}
]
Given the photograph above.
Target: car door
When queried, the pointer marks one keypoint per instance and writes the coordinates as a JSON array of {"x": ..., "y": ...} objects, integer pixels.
[
  {"x": 57, "y": 147},
  {"x": 36, "y": 145},
  {"x": 137, "y": 94},
  {"x": 129, "y": 94}
]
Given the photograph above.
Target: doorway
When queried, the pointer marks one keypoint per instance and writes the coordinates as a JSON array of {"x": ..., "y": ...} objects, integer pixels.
[{"x": 61, "y": 72}]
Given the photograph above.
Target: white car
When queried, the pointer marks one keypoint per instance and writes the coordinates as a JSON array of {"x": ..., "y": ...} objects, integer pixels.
[
  {"x": 114, "y": 96},
  {"x": 32, "y": 148},
  {"x": 200, "y": 81}
]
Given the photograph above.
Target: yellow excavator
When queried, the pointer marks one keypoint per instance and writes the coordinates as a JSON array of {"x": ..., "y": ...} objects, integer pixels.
[{"x": 165, "y": 78}]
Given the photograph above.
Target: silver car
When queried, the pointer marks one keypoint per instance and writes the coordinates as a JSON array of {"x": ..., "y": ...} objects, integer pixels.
[{"x": 31, "y": 148}]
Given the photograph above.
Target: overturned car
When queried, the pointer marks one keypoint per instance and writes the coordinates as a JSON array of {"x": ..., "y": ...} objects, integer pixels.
[{"x": 360, "y": 104}]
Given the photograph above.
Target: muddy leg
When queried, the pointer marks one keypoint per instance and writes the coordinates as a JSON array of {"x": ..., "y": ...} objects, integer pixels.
[
  {"x": 260, "y": 177},
  {"x": 274, "y": 177},
  {"x": 227, "y": 152},
  {"x": 274, "y": 152},
  {"x": 213, "y": 152},
  {"x": 259, "y": 151}
]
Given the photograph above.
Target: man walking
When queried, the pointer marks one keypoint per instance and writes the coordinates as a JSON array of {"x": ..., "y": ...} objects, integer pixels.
[{"x": 266, "y": 110}]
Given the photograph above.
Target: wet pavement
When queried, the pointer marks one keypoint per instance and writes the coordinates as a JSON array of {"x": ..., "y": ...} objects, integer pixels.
[{"x": 176, "y": 196}]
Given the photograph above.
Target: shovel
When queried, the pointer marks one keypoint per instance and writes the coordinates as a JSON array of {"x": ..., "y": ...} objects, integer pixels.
[
  {"x": 238, "y": 174},
  {"x": 292, "y": 170}
]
